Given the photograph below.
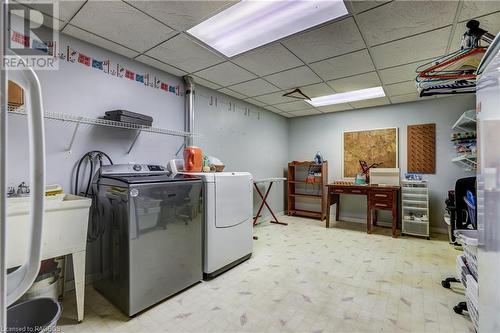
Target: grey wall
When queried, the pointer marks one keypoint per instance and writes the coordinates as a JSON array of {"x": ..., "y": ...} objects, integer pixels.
[
  {"x": 324, "y": 133},
  {"x": 80, "y": 90},
  {"x": 245, "y": 138}
]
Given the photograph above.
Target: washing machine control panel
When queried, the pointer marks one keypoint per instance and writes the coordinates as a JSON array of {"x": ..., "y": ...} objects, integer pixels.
[{"x": 132, "y": 169}]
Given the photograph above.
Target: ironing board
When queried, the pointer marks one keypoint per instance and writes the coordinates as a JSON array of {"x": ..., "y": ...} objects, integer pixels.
[{"x": 270, "y": 181}]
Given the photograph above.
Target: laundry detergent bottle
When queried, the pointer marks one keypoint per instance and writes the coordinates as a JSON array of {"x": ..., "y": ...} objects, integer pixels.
[{"x": 193, "y": 159}]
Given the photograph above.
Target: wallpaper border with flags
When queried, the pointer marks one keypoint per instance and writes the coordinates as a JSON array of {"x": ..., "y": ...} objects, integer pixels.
[{"x": 105, "y": 65}]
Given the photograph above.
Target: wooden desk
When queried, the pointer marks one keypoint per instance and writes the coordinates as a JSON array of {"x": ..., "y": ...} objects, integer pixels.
[{"x": 378, "y": 198}]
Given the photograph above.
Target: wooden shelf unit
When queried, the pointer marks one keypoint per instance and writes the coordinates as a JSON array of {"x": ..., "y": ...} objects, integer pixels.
[{"x": 294, "y": 190}]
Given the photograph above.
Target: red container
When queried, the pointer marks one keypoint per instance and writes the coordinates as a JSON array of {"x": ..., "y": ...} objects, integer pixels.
[{"x": 193, "y": 159}]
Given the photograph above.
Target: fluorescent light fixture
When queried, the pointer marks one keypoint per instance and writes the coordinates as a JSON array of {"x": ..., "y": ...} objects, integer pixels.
[
  {"x": 350, "y": 96},
  {"x": 252, "y": 23}
]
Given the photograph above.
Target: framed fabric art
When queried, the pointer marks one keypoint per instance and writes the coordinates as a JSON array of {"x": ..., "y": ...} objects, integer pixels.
[{"x": 373, "y": 146}]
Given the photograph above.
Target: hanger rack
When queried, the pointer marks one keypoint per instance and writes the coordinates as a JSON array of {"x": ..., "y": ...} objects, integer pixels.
[{"x": 455, "y": 73}]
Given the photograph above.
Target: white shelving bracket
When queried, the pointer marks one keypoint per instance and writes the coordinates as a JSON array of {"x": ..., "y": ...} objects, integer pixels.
[
  {"x": 73, "y": 136},
  {"x": 134, "y": 141}
]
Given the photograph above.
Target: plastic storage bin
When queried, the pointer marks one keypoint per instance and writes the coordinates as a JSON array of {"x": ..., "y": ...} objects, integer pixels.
[
  {"x": 472, "y": 299},
  {"x": 35, "y": 315},
  {"x": 468, "y": 238},
  {"x": 462, "y": 270}
]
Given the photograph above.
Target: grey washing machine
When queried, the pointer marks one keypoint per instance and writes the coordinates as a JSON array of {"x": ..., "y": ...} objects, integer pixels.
[{"x": 150, "y": 244}]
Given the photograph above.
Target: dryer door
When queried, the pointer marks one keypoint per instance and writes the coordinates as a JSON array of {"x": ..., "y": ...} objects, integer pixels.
[{"x": 233, "y": 199}]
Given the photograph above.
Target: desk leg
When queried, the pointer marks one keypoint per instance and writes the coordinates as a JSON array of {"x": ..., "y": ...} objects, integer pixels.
[
  {"x": 328, "y": 204},
  {"x": 337, "y": 207},
  {"x": 368, "y": 219},
  {"x": 79, "y": 272},
  {"x": 394, "y": 217}
]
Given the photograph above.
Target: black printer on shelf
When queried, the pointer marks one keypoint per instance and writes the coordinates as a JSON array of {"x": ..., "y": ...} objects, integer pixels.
[{"x": 125, "y": 116}]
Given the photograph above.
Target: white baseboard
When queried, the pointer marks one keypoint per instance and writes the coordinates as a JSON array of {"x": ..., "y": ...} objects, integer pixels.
[
  {"x": 433, "y": 230},
  {"x": 269, "y": 216},
  {"x": 438, "y": 230}
]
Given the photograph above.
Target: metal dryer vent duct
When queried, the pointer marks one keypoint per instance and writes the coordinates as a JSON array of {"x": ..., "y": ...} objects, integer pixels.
[{"x": 189, "y": 109}]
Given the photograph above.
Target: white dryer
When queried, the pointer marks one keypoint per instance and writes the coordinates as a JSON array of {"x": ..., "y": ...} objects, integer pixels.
[
  {"x": 228, "y": 236},
  {"x": 228, "y": 217}
]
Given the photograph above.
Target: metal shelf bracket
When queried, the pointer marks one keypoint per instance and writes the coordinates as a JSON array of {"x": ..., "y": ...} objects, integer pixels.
[
  {"x": 73, "y": 136},
  {"x": 134, "y": 141}
]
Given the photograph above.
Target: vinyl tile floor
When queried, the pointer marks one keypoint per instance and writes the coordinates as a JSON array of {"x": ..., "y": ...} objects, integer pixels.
[{"x": 306, "y": 278}]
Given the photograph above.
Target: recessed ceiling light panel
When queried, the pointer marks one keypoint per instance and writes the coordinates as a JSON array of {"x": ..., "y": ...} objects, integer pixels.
[
  {"x": 350, "y": 96},
  {"x": 252, "y": 23}
]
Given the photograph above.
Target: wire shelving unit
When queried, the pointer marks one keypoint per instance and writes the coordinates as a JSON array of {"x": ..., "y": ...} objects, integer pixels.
[{"x": 79, "y": 120}]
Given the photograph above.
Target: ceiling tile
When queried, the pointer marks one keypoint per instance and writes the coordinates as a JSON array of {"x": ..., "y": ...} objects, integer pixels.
[
  {"x": 358, "y": 6},
  {"x": 160, "y": 65},
  {"x": 301, "y": 113},
  {"x": 405, "y": 98},
  {"x": 411, "y": 49},
  {"x": 400, "y": 19},
  {"x": 472, "y": 9},
  {"x": 99, "y": 41},
  {"x": 232, "y": 93},
  {"x": 225, "y": 74},
  {"x": 287, "y": 115},
  {"x": 400, "y": 88},
  {"x": 47, "y": 20},
  {"x": 335, "y": 108},
  {"x": 345, "y": 65},
  {"x": 254, "y": 88},
  {"x": 274, "y": 98},
  {"x": 400, "y": 73},
  {"x": 181, "y": 15},
  {"x": 206, "y": 83},
  {"x": 356, "y": 82},
  {"x": 254, "y": 102},
  {"x": 370, "y": 102},
  {"x": 293, "y": 106},
  {"x": 293, "y": 78},
  {"x": 332, "y": 40},
  {"x": 268, "y": 60},
  {"x": 272, "y": 109},
  {"x": 316, "y": 90},
  {"x": 490, "y": 23},
  {"x": 119, "y": 22},
  {"x": 66, "y": 8},
  {"x": 185, "y": 54}
]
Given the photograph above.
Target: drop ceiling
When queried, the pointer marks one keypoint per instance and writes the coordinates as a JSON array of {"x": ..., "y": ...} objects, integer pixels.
[{"x": 378, "y": 43}]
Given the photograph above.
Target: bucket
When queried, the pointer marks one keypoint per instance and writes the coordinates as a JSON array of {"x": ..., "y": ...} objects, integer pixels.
[
  {"x": 34, "y": 315},
  {"x": 193, "y": 159}
]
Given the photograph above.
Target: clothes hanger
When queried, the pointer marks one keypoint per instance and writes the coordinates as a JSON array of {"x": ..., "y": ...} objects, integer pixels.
[
  {"x": 461, "y": 64},
  {"x": 298, "y": 94}
]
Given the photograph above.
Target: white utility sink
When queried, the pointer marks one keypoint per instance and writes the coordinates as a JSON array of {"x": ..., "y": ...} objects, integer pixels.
[{"x": 64, "y": 232}]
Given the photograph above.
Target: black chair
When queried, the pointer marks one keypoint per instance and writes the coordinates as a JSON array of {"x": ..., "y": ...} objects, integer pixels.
[
  {"x": 456, "y": 206},
  {"x": 459, "y": 219}
]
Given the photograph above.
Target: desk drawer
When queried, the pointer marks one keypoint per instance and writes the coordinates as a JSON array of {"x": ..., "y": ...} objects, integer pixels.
[
  {"x": 347, "y": 190},
  {"x": 381, "y": 199},
  {"x": 381, "y": 195},
  {"x": 381, "y": 205}
]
